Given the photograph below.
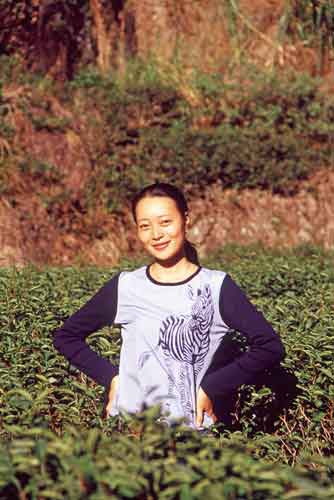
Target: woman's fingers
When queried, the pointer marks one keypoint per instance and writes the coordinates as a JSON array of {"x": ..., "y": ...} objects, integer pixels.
[
  {"x": 108, "y": 409},
  {"x": 213, "y": 416},
  {"x": 112, "y": 392},
  {"x": 199, "y": 416},
  {"x": 204, "y": 405}
]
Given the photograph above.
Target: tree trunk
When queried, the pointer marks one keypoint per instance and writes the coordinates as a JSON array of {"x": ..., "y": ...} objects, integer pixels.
[{"x": 103, "y": 41}]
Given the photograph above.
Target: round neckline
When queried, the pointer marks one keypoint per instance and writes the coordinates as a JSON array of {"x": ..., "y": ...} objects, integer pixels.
[{"x": 173, "y": 283}]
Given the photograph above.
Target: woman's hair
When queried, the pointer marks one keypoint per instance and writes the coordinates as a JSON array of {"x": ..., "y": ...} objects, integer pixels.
[{"x": 164, "y": 189}]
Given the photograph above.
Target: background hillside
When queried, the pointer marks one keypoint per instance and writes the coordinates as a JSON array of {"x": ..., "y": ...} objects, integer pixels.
[{"x": 232, "y": 100}]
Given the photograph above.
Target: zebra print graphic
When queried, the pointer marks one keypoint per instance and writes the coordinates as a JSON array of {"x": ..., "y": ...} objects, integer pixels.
[{"x": 186, "y": 340}]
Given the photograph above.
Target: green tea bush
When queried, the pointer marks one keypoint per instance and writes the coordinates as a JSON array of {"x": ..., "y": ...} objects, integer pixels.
[
  {"x": 55, "y": 444},
  {"x": 161, "y": 463}
]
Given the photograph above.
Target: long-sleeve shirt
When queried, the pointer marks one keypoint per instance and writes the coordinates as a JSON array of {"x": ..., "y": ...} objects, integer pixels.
[{"x": 170, "y": 333}]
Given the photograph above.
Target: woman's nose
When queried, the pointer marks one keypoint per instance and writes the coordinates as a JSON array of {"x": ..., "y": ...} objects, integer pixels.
[{"x": 156, "y": 232}]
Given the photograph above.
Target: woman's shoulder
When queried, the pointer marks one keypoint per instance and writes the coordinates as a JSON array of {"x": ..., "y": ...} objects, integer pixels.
[
  {"x": 213, "y": 278},
  {"x": 133, "y": 275},
  {"x": 213, "y": 274}
]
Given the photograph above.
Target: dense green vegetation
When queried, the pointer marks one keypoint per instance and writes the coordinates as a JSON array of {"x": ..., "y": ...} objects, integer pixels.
[
  {"x": 54, "y": 443},
  {"x": 270, "y": 135}
]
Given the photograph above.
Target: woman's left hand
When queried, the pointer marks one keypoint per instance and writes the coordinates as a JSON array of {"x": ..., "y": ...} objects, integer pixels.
[{"x": 204, "y": 405}]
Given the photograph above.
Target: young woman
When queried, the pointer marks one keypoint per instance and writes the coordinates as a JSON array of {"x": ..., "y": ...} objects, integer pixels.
[{"x": 173, "y": 316}]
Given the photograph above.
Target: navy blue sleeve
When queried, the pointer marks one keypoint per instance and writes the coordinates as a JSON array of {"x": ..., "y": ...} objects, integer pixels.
[
  {"x": 265, "y": 346},
  {"x": 69, "y": 340}
]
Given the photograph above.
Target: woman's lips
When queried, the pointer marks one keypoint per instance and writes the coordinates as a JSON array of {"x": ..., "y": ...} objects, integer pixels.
[{"x": 161, "y": 246}]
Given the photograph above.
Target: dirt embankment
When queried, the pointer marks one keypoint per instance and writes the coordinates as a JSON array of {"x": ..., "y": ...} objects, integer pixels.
[
  {"x": 252, "y": 216},
  {"x": 219, "y": 217}
]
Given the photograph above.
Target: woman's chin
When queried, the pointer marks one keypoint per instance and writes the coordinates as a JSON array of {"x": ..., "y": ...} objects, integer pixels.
[{"x": 168, "y": 259}]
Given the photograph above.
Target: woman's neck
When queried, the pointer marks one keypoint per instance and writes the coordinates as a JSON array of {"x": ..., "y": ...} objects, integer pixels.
[{"x": 172, "y": 272}]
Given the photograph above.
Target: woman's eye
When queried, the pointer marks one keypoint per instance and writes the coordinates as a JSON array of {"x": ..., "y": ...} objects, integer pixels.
[
  {"x": 143, "y": 227},
  {"x": 165, "y": 222}
]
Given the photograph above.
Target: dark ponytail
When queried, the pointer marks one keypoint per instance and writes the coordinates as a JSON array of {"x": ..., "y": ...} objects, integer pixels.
[
  {"x": 191, "y": 252},
  {"x": 164, "y": 189}
]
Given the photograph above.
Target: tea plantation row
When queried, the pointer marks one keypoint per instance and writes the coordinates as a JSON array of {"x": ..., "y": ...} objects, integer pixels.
[{"x": 55, "y": 444}]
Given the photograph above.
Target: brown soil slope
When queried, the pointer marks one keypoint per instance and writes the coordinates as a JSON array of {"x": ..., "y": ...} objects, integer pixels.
[{"x": 245, "y": 217}]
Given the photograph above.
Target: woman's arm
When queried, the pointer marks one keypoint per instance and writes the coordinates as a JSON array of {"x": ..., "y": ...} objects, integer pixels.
[
  {"x": 266, "y": 348},
  {"x": 69, "y": 340}
]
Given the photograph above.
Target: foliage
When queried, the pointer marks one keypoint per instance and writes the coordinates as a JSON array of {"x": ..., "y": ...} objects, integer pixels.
[
  {"x": 121, "y": 132},
  {"x": 312, "y": 22},
  {"x": 23, "y": 22},
  {"x": 158, "y": 463},
  {"x": 269, "y": 134},
  {"x": 152, "y": 123},
  {"x": 56, "y": 445}
]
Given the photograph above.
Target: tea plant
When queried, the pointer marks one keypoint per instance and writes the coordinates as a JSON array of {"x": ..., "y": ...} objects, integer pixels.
[{"x": 56, "y": 444}]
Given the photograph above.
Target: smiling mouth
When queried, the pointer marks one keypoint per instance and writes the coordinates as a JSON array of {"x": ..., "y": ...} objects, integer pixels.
[{"x": 161, "y": 246}]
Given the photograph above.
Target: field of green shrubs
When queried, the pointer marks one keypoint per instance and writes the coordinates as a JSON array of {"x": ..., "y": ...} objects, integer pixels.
[{"x": 56, "y": 445}]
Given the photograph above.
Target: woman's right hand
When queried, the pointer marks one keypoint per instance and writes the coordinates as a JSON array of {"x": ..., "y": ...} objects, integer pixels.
[{"x": 112, "y": 393}]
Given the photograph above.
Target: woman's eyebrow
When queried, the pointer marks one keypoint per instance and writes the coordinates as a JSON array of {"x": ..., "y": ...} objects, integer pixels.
[{"x": 147, "y": 219}]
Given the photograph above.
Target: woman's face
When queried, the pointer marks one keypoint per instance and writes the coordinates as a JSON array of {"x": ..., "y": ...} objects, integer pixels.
[{"x": 161, "y": 227}]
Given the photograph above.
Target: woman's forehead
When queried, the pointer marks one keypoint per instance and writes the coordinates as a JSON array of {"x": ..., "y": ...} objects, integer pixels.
[{"x": 155, "y": 205}]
